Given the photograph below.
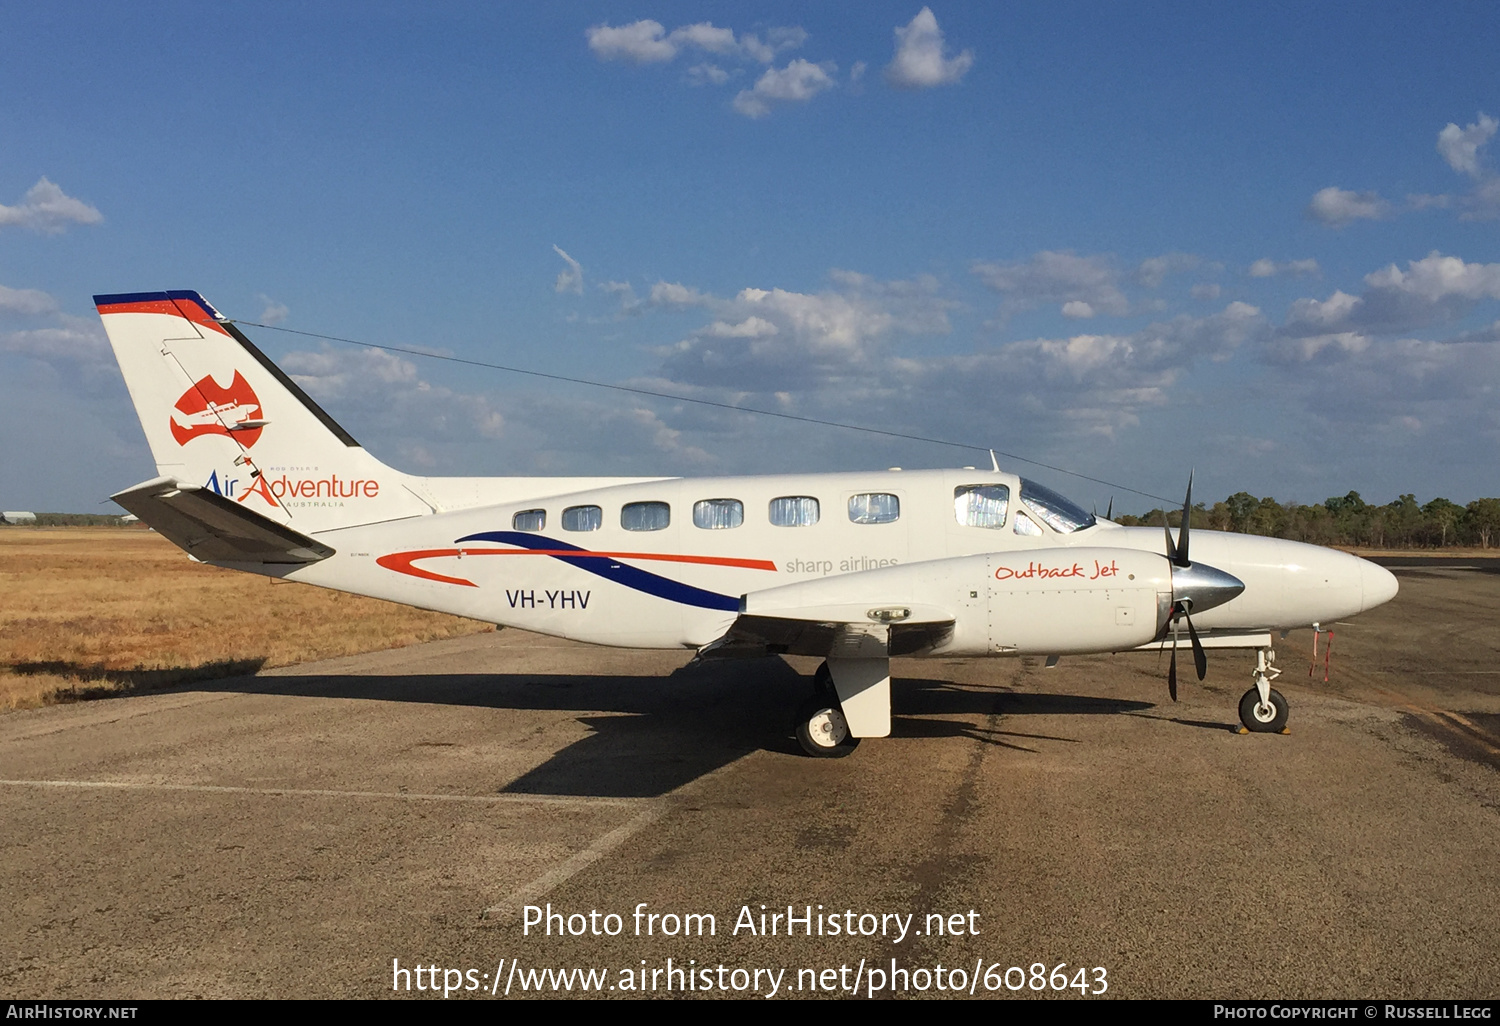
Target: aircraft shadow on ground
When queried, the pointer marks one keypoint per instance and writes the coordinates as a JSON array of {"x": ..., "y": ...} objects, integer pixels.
[{"x": 652, "y": 734}]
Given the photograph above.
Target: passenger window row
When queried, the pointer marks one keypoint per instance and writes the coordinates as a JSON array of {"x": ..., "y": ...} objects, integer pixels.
[
  {"x": 716, "y": 514},
  {"x": 982, "y": 505}
]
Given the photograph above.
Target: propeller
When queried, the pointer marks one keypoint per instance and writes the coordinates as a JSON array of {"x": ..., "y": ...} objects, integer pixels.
[{"x": 1177, "y": 553}]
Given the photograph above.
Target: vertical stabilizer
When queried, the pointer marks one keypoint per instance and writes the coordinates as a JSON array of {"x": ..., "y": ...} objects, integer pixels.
[{"x": 219, "y": 414}]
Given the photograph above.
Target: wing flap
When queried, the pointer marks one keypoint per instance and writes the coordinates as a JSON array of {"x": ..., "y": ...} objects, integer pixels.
[{"x": 212, "y": 528}]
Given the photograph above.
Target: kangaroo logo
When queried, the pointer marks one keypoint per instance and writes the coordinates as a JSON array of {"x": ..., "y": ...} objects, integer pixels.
[{"x": 208, "y": 409}]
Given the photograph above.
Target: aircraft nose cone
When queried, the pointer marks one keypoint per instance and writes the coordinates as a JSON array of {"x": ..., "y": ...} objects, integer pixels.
[
  {"x": 1378, "y": 584},
  {"x": 1202, "y": 587}
]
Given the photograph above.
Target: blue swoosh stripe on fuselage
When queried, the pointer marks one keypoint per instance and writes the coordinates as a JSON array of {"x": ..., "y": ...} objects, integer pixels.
[{"x": 613, "y": 570}]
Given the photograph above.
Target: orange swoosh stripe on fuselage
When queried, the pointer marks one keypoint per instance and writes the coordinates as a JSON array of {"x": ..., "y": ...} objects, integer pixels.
[{"x": 401, "y": 562}]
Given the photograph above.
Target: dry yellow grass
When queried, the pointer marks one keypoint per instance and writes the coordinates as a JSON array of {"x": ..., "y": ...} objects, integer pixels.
[{"x": 88, "y": 612}]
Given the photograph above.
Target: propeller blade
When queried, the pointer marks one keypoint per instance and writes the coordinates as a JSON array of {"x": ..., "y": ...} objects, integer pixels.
[
  {"x": 1109, "y": 511},
  {"x": 1182, "y": 533},
  {"x": 1171, "y": 546},
  {"x": 1200, "y": 659},
  {"x": 1172, "y": 670}
]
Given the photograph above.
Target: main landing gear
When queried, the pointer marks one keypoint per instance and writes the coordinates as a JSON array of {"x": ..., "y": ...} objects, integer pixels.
[
  {"x": 822, "y": 729},
  {"x": 1263, "y": 709}
]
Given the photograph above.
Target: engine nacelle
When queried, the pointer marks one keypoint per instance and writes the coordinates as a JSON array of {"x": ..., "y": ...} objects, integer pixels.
[{"x": 1038, "y": 602}]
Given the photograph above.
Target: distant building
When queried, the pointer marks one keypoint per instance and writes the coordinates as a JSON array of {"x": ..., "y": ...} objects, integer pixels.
[{"x": 17, "y": 517}]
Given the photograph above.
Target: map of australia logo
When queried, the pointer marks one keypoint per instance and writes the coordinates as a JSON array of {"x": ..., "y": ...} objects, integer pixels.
[{"x": 208, "y": 409}]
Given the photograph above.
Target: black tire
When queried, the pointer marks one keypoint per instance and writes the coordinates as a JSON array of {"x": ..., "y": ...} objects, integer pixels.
[
  {"x": 1254, "y": 717},
  {"x": 823, "y": 682},
  {"x": 822, "y": 731}
]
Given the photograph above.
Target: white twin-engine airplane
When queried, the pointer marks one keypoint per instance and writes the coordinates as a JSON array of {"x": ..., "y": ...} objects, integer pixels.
[{"x": 853, "y": 567}]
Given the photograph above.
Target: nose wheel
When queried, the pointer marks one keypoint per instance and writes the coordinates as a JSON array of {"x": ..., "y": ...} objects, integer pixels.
[{"x": 1268, "y": 717}]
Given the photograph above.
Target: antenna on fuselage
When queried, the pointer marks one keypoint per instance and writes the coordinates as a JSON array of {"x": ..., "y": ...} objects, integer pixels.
[{"x": 994, "y": 462}]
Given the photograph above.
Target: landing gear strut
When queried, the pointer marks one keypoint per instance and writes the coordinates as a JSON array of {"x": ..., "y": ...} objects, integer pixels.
[{"x": 1263, "y": 709}]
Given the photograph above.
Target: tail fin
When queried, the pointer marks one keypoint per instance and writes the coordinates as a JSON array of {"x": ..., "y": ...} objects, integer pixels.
[{"x": 220, "y": 415}]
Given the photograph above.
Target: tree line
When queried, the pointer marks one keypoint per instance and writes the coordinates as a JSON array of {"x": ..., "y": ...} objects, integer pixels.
[{"x": 1348, "y": 521}]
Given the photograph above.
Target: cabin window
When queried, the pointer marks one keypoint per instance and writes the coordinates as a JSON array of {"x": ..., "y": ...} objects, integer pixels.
[
  {"x": 794, "y": 511},
  {"x": 1025, "y": 525},
  {"x": 1062, "y": 514},
  {"x": 582, "y": 518},
  {"x": 981, "y": 505},
  {"x": 874, "y": 508},
  {"x": 529, "y": 520},
  {"x": 718, "y": 514},
  {"x": 645, "y": 516}
]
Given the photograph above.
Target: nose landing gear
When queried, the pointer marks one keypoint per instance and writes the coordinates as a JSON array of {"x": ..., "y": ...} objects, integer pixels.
[{"x": 1263, "y": 709}]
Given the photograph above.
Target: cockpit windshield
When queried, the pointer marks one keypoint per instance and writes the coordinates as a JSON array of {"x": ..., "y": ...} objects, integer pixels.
[{"x": 1061, "y": 514}]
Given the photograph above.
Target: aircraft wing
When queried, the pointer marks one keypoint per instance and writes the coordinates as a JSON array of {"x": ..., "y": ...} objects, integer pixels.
[
  {"x": 820, "y": 634},
  {"x": 213, "y": 528}
]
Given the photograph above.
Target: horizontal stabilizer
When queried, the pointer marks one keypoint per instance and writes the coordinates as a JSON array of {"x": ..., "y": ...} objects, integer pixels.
[{"x": 213, "y": 528}]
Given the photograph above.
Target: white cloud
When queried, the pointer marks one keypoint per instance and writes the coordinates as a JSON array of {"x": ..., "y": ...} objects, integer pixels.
[
  {"x": 274, "y": 312},
  {"x": 648, "y": 42},
  {"x": 777, "y": 40},
  {"x": 47, "y": 209},
  {"x": 388, "y": 388},
  {"x": 706, "y": 74},
  {"x": 1077, "y": 308},
  {"x": 706, "y": 36},
  {"x": 1431, "y": 290},
  {"x": 1205, "y": 290},
  {"x": 1153, "y": 271},
  {"x": 643, "y": 42},
  {"x": 750, "y": 327},
  {"x": 919, "y": 62},
  {"x": 1460, "y": 146},
  {"x": 1062, "y": 278},
  {"x": 770, "y": 340},
  {"x": 798, "y": 82},
  {"x": 625, "y": 293},
  {"x": 1337, "y": 207},
  {"x": 26, "y": 301},
  {"x": 75, "y": 347},
  {"x": 570, "y": 279},
  {"x": 1303, "y": 349},
  {"x": 671, "y": 293},
  {"x": 1435, "y": 278},
  {"x": 1267, "y": 268},
  {"x": 1424, "y": 201}
]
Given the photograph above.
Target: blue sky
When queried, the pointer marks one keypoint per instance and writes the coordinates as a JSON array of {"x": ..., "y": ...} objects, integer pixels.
[{"x": 1126, "y": 240}]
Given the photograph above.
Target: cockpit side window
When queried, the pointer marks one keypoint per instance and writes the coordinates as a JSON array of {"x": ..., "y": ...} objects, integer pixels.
[
  {"x": 1027, "y": 526},
  {"x": 1061, "y": 514},
  {"x": 981, "y": 505}
]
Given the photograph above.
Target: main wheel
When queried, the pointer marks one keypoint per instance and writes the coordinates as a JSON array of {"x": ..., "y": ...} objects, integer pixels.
[
  {"x": 1264, "y": 719},
  {"x": 822, "y": 730}
]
